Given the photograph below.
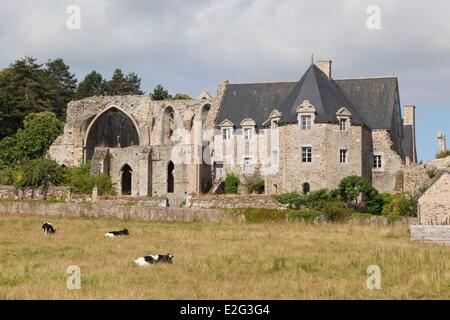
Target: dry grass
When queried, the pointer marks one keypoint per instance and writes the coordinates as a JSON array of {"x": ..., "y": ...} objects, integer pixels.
[{"x": 217, "y": 261}]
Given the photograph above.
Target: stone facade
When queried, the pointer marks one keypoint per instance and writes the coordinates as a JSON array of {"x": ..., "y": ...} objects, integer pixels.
[
  {"x": 184, "y": 147},
  {"x": 434, "y": 205}
]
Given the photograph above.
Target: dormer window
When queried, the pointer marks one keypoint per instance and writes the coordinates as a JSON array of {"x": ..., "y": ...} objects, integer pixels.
[
  {"x": 227, "y": 129},
  {"x": 343, "y": 124},
  {"x": 248, "y": 127},
  {"x": 306, "y": 122},
  {"x": 306, "y": 114}
]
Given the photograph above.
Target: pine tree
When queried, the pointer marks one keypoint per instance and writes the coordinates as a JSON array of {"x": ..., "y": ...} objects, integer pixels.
[
  {"x": 92, "y": 85},
  {"x": 159, "y": 93}
]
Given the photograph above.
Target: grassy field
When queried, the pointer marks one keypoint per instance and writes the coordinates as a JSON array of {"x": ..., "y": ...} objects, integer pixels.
[{"x": 217, "y": 261}]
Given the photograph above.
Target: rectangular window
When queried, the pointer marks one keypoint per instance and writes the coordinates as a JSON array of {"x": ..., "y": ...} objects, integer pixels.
[
  {"x": 247, "y": 134},
  {"x": 226, "y": 134},
  {"x": 343, "y": 156},
  {"x": 306, "y": 154},
  {"x": 275, "y": 158},
  {"x": 247, "y": 164},
  {"x": 306, "y": 122},
  {"x": 343, "y": 124},
  {"x": 377, "y": 162}
]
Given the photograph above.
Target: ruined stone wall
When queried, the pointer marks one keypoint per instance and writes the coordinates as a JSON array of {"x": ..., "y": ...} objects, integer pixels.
[
  {"x": 54, "y": 193},
  {"x": 434, "y": 205},
  {"x": 388, "y": 178},
  {"x": 234, "y": 201},
  {"x": 417, "y": 178}
]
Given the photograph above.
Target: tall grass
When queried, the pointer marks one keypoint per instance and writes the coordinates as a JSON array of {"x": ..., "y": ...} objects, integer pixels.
[{"x": 218, "y": 261}]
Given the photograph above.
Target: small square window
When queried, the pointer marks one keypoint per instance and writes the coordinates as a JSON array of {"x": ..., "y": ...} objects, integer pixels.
[
  {"x": 343, "y": 124},
  {"x": 306, "y": 122},
  {"x": 247, "y": 164},
  {"x": 343, "y": 156},
  {"x": 306, "y": 154},
  {"x": 377, "y": 162}
]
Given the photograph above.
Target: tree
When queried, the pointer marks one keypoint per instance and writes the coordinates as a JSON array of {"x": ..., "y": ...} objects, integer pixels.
[
  {"x": 159, "y": 93},
  {"x": 39, "y": 173},
  {"x": 62, "y": 85},
  {"x": 350, "y": 188},
  {"x": 181, "y": 96},
  {"x": 133, "y": 84},
  {"x": 40, "y": 130},
  {"x": 117, "y": 85},
  {"x": 92, "y": 85},
  {"x": 24, "y": 88}
]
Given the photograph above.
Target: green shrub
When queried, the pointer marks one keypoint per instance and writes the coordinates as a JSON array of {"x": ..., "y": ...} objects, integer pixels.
[
  {"x": 336, "y": 212},
  {"x": 81, "y": 182},
  {"x": 255, "y": 215},
  {"x": 7, "y": 176},
  {"x": 432, "y": 173},
  {"x": 304, "y": 215},
  {"x": 350, "y": 188},
  {"x": 317, "y": 199},
  {"x": 255, "y": 186},
  {"x": 231, "y": 184},
  {"x": 292, "y": 199},
  {"x": 401, "y": 205},
  {"x": 443, "y": 155}
]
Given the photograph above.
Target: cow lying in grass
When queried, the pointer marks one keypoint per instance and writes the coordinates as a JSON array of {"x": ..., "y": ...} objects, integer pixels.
[
  {"x": 113, "y": 234},
  {"x": 148, "y": 260},
  {"x": 48, "y": 228}
]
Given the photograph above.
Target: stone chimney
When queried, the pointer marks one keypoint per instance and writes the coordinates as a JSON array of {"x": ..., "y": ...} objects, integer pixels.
[
  {"x": 410, "y": 120},
  {"x": 442, "y": 142},
  {"x": 325, "y": 66},
  {"x": 410, "y": 116}
]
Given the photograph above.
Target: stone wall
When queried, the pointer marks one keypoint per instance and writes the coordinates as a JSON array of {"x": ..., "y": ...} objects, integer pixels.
[
  {"x": 435, "y": 234},
  {"x": 112, "y": 210},
  {"x": 417, "y": 178},
  {"x": 234, "y": 201},
  {"x": 389, "y": 177},
  {"x": 54, "y": 193},
  {"x": 434, "y": 205}
]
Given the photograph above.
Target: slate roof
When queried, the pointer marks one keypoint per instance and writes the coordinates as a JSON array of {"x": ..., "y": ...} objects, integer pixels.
[
  {"x": 323, "y": 94},
  {"x": 371, "y": 100},
  {"x": 253, "y": 100},
  {"x": 374, "y": 98}
]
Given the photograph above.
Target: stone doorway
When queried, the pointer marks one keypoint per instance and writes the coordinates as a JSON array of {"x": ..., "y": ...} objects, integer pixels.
[
  {"x": 170, "y": 178},
  {"x": 126, "y": 182}
]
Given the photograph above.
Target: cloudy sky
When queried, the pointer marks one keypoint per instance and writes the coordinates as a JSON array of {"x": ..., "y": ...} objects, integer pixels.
[{"x": 189, "y": 44}]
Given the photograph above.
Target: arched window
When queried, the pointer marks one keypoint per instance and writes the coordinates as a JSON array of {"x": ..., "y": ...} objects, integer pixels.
[
  {"x": 112, "y": 129},
  {"x": 306, "y": 188},
  {"x": 126, "y": 180},
  {"x": 168, "y": 125}
]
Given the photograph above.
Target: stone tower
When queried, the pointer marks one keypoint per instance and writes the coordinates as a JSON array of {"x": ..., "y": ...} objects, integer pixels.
[{"x": 442, "y": 143}]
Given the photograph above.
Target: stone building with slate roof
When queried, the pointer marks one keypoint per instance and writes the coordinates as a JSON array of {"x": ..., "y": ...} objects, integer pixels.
[{"x": 298, "y": 136}]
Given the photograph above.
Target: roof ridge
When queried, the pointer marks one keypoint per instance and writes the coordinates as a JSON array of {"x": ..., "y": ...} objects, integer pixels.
[
  {"x": 367, "y": 78},
  {"x": 269, "y": 82}
]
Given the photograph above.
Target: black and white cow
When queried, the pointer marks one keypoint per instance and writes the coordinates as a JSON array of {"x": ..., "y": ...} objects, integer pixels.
[
  {"x": 159, "y": 258},
  {"x": 113, "y": 234},
  {"x": 48, "y": 228}
]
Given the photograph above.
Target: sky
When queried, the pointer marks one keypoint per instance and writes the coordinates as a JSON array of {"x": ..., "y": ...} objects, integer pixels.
[{"x": 188, "y": 45}]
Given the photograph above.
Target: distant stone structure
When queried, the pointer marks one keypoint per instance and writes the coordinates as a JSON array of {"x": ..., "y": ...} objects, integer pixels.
[
  {"x": 297, "y": 136},
  {"x": 442, "y": 142},
  {"x": 434, "y": 204}
]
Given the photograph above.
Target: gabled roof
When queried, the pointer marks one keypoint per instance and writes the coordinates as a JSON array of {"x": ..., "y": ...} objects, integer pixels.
[
  {"x": 371, "y": 101},
  {"x": 322, "y": 93},
  {"x": 444, "y": 175},
  {"x": 374, "y": 98}
]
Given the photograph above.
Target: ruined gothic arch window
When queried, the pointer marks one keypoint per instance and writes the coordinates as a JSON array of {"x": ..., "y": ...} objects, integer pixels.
[
  {"x": 170, "y": 177},
  {"x": 205, "y": 111},
  {"x": 168, "y": 125},
  {"x": 111, "y": 129}
]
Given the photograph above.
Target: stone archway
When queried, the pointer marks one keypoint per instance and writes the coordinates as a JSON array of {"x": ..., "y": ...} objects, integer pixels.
[
  {"x": 126, "y": 180},
  {"x": 170, "y": 177},
  {"x": 306, "y": 188}
]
